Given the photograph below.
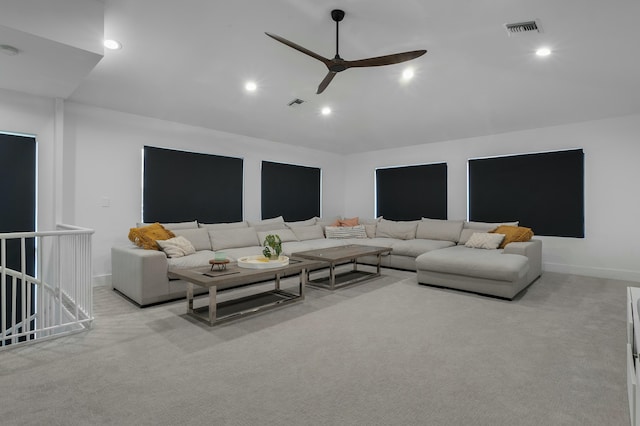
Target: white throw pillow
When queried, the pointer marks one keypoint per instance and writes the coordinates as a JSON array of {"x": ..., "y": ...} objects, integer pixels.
[
  {"x": 484, "y": 240},
  {"x": 176, "y": 247},
  {"x": 357, "y": 231}
]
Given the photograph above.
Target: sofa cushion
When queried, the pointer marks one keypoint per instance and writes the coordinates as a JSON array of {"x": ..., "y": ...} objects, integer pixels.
[
  {"x": 484, "y": 240},
  {"x": 489, "y": 264},
  {"x": 231, "y": 238},
  {"x": 375, "y": 242},
  {"x": 176, "y": 247},
  {"x": 416, "y": 247},
  {"x": 308, "y": 222},
  {"x": 308, "y": 232},
  {"x": 229, "y": 225},
  {"x": 146, "y": 236},
  {"x": 357, "y": 231},
  {"x": 268, "y": 224},
  {"x": 198, "y": 259},
  {"x": 326, "y": 221},
  {"x": 513, "y": 234},
  {"x": 436, "y": 229},
  {"x": 234, "y": 254},
  {"x": 284, "y": 234},
  {"x": 403, "y": 230},
  {"x": 199, "y": 237},
  {"x": 369, "y": 226}
]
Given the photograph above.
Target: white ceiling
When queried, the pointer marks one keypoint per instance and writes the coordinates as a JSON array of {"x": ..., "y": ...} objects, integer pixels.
[{"x": 188, "y": 61}]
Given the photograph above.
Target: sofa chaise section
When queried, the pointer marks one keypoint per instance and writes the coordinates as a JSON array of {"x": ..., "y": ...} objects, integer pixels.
[{"x": 502, "y": 273}]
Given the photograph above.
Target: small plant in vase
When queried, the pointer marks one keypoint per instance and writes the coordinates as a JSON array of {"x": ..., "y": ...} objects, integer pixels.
[{"x": 272, "y": 246}]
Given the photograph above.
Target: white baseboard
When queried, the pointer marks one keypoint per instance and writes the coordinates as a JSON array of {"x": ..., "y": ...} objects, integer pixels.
[
  {"x": 100, "y": 280},
  {"x": 614, "y": 274}
]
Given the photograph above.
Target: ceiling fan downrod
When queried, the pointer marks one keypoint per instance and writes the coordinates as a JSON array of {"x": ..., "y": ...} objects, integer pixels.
[{"x": 337, "y": 15}]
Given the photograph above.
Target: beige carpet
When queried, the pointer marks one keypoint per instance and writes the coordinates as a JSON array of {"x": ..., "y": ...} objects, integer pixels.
[{"x": 386, "y": 352}]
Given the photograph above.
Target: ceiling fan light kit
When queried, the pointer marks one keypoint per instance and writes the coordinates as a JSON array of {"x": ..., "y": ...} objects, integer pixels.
[{"x": 337, "y": 64}]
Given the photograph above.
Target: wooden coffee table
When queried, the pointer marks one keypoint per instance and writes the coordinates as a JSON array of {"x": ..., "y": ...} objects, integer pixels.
[
  {"x": 234, "y": 277},
  {"x": 338, "y": 255}
]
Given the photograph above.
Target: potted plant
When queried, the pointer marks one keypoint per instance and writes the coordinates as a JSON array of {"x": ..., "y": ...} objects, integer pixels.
[{"x": 272, "y": 246}]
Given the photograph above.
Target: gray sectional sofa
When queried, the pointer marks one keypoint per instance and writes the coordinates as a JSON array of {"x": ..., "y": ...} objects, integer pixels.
[{"x": 433, "y": 248}]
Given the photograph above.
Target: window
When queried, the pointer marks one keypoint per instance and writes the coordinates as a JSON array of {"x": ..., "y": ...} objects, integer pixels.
[
  {"x": 412, "y": 192},
  {"x": 290, "y": 191},
  {"x": 17, "y": 214},
  {"x": 544, "y": 191},
  {"x": 183, "y": 186}
]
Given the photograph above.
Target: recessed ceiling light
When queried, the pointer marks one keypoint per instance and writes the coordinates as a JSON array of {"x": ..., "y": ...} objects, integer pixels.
[
  {"x": 250, "y": 86},
  {"x": 112, "y": 44},
  {"x": 325, "y": 111},
  {"x": 407, "y": 74},
  {"x": 9, "y": 50},
  {"x": 543, "y": 51}
]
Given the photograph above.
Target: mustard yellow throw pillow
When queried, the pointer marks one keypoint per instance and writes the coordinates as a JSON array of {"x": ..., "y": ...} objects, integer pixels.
[
  {"x": 513, "y": 234},
  {"x": 146, "y": 236}
]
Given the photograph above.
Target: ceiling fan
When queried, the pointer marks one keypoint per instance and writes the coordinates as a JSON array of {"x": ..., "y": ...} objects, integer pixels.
[{"x": 337, "y": 64}]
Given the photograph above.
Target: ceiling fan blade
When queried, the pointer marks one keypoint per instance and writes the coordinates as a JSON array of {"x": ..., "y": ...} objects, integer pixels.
[
  {"x": 385, "y": 60},
  {"x": 298, "y": 48},
  {"x": 323, "y": 85}
]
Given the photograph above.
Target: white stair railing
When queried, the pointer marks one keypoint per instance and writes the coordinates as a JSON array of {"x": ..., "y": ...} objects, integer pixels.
[{"x": 48, "y": 291}]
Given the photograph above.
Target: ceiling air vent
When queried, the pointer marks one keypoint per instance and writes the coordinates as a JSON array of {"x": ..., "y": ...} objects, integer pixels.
[{"x": 523, "y": 27}]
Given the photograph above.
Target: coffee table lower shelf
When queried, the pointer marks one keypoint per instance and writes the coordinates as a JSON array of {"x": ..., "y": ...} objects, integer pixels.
[
  {"x": 342, "y": 279},
  {"x": 243, "y": 306}
]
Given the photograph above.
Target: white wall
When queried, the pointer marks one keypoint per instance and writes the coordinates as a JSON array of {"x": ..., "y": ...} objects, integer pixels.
[
  {"x": 612, "y": 176},
  {"x": 20, "y": 113},
  {"x": 103, "y": 158}
]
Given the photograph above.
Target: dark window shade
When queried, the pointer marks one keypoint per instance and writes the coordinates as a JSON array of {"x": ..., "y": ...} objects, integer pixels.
[
  {"x": 290, "y": 191},
  {"x": 544, "y": 191},
  {"x": 182, "y": 186},
  {"x": 412, "y": 192},
  {"x": 17, "y": 214}
]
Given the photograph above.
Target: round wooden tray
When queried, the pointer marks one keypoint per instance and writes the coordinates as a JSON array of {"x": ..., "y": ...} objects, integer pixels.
[{"x": 261, "y": 262}]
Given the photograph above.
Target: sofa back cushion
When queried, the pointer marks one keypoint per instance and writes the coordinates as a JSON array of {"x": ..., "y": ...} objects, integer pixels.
[
  {"x": 370, "y": 226},
  {"x": 304, "y": 233},
  {"x": 308, "y": 222},
  {"x": 199, "y": 237},
  {"x": 402, "y": 230},
  {"x": 233, "y": 238},
  {"x": 326, "y": 221},
  {"x": 268, "y": 224},
  {"x": 229, "y": 225},
  {"x": 284, "y": 234},
  {"x": 442, "y": 230}
]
